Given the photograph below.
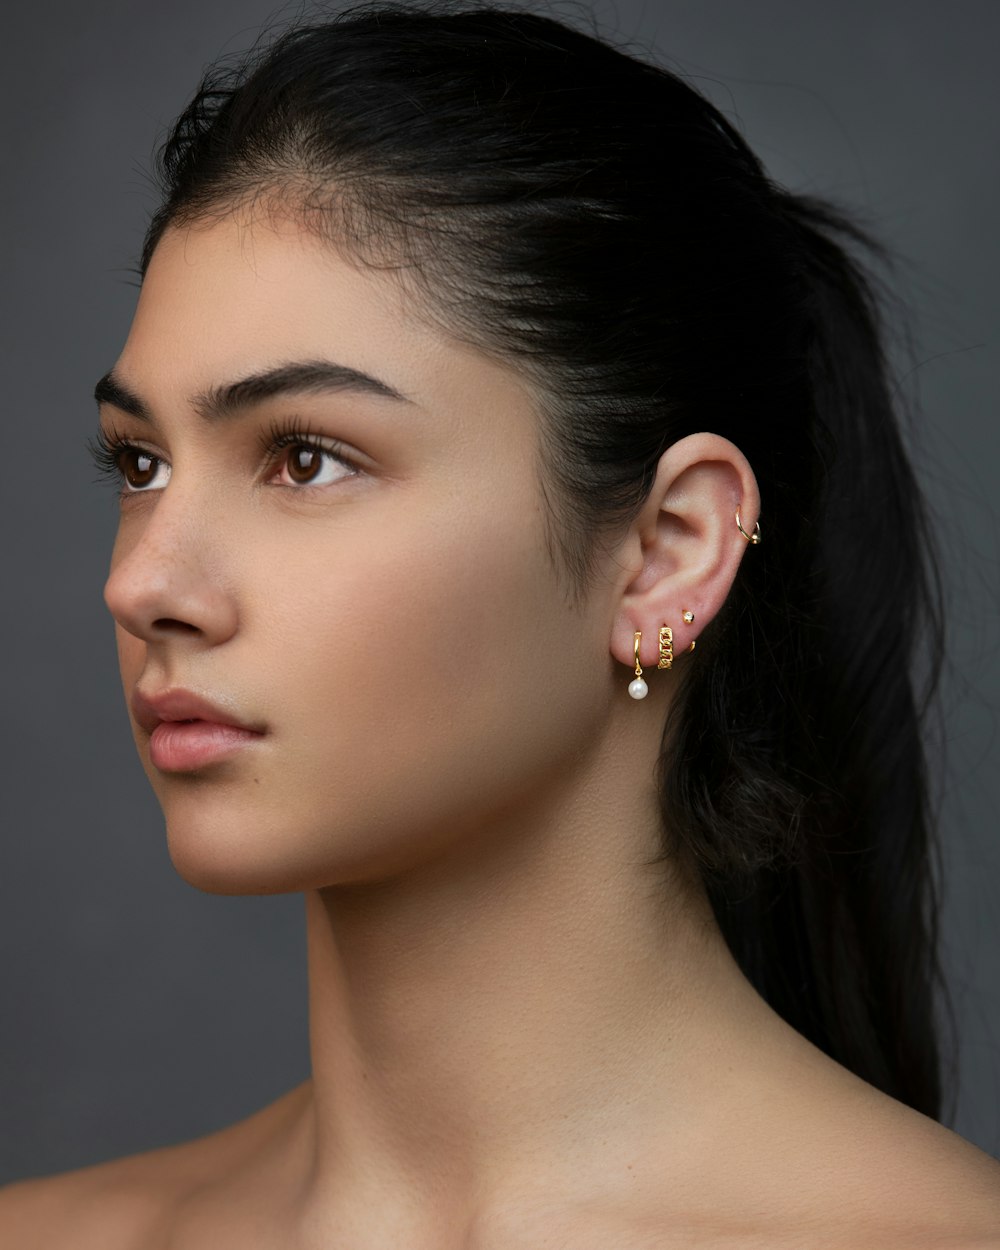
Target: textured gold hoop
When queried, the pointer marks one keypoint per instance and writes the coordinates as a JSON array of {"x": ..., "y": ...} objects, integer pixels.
[
  {"x": 751, "y": 538},
  {"x": 666, "y": 647}
]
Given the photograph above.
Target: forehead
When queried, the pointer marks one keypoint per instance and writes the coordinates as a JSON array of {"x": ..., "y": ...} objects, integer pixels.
[{"x": 229, "y": 297}]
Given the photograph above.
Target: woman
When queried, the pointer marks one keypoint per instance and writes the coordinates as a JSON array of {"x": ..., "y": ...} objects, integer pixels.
[{"x": 519, "y": 557}]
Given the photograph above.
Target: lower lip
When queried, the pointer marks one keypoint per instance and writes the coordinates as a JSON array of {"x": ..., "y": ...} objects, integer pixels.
[{"x": 178, "y": 746}]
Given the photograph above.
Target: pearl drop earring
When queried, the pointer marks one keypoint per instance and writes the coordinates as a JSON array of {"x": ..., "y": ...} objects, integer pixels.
[{"x": 638, "y": 688}]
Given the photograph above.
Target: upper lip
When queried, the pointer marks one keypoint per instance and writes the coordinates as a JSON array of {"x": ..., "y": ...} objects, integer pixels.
[{"x": 176, "y": 704}]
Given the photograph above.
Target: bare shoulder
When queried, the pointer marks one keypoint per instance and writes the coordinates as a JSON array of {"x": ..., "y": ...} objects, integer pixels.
[
  {"x": 106, "y": 1205},
  {"x": 928, "y": 1176},
  {"x": 877, "y": 1172},
  {"x": 830, "y": 1163},
  {"x": 128, "y": 1203}
]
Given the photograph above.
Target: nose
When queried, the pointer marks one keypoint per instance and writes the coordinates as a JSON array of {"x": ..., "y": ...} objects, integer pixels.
[{"x": 167, "y": 576}]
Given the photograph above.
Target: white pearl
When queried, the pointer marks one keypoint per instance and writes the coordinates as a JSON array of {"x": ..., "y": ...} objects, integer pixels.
[{"x": 638, "y": 688}]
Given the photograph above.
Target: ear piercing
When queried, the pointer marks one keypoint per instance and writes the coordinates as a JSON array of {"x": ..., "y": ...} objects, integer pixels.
[
  {"x": 751, "y": 538},
  {"x": 637, "y": 688}
]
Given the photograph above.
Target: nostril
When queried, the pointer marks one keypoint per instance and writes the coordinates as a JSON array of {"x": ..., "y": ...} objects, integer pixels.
[{"x": 171, "y": 625}]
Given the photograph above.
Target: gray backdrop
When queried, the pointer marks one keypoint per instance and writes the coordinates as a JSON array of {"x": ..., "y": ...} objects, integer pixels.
[{"x": 137, "y": 1011}]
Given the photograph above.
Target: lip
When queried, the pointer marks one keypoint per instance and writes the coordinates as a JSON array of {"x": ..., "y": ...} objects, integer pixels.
[{"x": 187, "y": 731}]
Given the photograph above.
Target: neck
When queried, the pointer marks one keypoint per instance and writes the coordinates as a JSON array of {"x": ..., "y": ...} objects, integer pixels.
[{"x": 474, "y": 1021}]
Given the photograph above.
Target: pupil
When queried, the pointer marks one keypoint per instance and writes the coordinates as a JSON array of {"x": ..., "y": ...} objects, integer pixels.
[{"x": 303, "y": 463}]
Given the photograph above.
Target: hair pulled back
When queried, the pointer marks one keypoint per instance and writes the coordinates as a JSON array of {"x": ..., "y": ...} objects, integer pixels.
[{"x": 597, "y": 222}]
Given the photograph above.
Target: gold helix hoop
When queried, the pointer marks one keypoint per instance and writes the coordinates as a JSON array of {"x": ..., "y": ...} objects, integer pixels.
[{"x": 751, "y": 538}]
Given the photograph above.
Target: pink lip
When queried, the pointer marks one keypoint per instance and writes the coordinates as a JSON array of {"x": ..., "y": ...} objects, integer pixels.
[{"x": 187, "y": 732}]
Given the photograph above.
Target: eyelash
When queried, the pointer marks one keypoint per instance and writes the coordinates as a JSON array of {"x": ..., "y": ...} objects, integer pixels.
[{"x": 108, "y": 447}]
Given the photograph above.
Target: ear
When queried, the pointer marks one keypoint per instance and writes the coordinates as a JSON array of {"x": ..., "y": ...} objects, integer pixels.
[{"x": 683, "y": 549}]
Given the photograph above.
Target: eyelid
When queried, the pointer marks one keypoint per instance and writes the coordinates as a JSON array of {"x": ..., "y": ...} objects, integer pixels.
[
  {"x": 112, "y": 439},
  {"x": 293, "y": 429}
]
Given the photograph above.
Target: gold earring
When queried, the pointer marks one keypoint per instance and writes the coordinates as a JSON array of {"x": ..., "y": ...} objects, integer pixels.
[
  {"x": 666, "y": 647},
  {"x": 687, "y": 616},
  {"x": 751, "y": 538},
  {"x": 637, "y": 688}
]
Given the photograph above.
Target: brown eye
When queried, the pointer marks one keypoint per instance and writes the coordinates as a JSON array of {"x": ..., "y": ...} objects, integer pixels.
[
  {"x": 139, "y": 468},
  {"x": 304, "y": 462},
  {"x": 309, "y": 464}
]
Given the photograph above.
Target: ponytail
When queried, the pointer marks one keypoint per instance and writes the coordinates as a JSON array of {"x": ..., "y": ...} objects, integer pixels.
[{"x": 809, "y": 717}]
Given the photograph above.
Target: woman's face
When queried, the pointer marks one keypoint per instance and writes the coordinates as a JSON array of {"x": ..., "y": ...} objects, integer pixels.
[{"x": 388, "y": 624}]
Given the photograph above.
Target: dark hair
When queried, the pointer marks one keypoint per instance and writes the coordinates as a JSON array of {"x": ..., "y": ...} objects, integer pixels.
[{"x": 593, "y": 219}]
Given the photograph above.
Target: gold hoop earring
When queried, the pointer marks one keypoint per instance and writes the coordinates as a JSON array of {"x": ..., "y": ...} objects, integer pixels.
[
  {"x": 637, "y": 688},
  {"x": 751, "y": 538},
  {"x": 666, "y": 647}
]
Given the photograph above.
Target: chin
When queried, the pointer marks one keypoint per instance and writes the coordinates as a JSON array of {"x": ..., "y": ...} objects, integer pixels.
[
  {"x": 223, "y": 847},
  {"x": 223, "y": 866},
  {"x": 219, "y": 849}
]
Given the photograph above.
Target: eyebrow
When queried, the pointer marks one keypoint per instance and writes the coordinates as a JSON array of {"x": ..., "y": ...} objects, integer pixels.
[{"x": 297, "y": 378}]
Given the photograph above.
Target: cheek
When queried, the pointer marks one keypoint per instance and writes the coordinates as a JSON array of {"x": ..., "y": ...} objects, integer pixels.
[
  {"x": 429, "y": 650},
  {"x": 412, "y": 684}
]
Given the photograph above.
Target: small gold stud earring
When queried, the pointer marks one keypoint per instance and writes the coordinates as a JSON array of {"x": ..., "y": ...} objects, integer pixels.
[{"x": 688, "y": 616}]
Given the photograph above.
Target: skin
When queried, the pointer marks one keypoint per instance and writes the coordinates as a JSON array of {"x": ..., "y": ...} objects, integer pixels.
[{"x": 522, "y": 1034}]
